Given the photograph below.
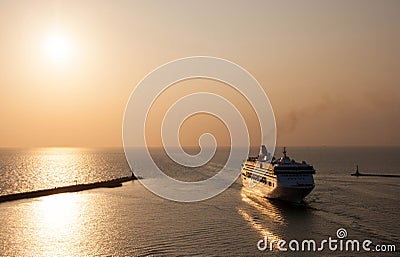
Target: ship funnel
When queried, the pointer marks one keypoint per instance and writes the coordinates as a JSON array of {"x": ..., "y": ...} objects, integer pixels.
[{"x": 263, "y": 155}]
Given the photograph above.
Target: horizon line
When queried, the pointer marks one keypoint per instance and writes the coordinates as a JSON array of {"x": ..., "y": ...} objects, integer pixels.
[{"x": 187, "y": 146}]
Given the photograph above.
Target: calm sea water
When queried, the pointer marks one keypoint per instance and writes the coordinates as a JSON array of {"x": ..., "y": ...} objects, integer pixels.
[{"x": 131, "y": 221}]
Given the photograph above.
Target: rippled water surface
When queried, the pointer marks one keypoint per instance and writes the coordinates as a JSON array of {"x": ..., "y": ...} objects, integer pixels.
[{"x": 130, "y": 221}]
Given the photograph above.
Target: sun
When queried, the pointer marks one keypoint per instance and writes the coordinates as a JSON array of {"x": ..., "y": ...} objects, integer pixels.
[{"x": 57, "y": 47}]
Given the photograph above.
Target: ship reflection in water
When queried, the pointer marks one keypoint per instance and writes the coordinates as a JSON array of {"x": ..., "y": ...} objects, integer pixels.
[
  {"x": 265, "y": 208},
  {"x": 257, "y": 223},
  {"x": 275, "y": 219}
]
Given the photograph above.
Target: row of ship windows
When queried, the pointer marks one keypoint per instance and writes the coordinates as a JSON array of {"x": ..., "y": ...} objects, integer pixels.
[{"x": 262, "y": 180}]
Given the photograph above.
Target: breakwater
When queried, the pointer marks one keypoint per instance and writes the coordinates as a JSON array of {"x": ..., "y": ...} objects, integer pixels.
[
  {"x": 375, "y": 175},
  {"x": 66, "y": 189}
]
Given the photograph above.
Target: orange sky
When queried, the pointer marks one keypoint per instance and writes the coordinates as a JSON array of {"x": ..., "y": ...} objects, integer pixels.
[{"x": 329, "y": 68}]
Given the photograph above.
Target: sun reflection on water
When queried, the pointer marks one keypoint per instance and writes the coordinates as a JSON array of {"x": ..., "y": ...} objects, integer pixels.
[
  {"x": 58, "y": 219},
  {"x": 63, "y": 163},
  {"x": 58, "y": 211}
]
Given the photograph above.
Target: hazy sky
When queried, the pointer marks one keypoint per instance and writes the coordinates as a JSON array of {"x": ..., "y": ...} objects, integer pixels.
[{"x": 329, "y": 68}]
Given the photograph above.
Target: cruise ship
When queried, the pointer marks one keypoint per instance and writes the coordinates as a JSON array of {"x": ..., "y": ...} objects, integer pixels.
[{"x": 282, "y": 178}]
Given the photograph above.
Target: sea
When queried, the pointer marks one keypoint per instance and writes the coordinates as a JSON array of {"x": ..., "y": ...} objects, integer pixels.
[{"x": 132, "y": 221}]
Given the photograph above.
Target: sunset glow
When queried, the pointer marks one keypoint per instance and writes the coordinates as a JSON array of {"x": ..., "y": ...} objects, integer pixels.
[{"x": 68, "y": 67}]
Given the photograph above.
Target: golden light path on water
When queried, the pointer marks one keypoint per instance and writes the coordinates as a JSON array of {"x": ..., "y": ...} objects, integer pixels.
[
  {"x": 61, "y": 224},
  {"x": 58, "y": 211},
  {"x": 62, "y": 162},
  {"x": 58, "y": 219}
]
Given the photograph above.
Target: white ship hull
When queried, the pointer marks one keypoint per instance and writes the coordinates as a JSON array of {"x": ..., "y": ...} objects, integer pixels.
[{"x": 289, "y": 193}]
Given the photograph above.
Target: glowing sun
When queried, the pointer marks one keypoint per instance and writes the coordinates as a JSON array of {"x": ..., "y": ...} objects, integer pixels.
[{"x": 57, "y": 47}]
